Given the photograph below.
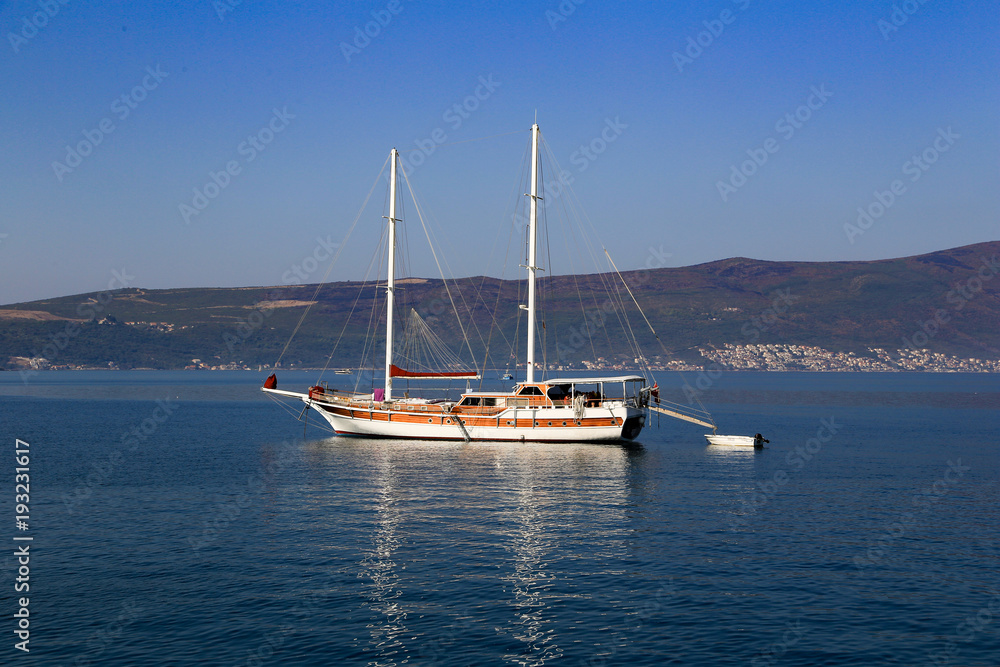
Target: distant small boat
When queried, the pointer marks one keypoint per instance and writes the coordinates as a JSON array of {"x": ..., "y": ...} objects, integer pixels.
[
  {"x": 507, "y": 376},
  {"x": 755, "y": 441},
  {"x": 343, "y": 371}
]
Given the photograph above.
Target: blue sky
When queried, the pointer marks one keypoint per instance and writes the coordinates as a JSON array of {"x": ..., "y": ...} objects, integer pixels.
[{"x": 199, "y": 78}]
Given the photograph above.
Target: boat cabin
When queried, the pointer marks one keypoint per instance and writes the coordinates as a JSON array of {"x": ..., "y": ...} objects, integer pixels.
[{"x": 558, "y": 393}]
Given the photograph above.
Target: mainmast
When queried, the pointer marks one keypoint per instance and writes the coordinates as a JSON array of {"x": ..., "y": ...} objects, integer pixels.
[
  {"x": 391, "y": 279},
  {"x": 532, "y": 247}
]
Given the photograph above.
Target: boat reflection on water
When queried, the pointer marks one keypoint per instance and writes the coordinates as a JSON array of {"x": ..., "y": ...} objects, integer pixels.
[
  {"x": 737, "y": 479},
  {"x": 545, "y": 522},
  {"x": 545, "y": 485},
  {"x": 734, "y": 453},
  {"x": 382, "y": 586}
]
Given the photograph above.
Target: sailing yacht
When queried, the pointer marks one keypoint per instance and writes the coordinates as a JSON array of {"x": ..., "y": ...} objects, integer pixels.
[{"x": 535, "y": 410}]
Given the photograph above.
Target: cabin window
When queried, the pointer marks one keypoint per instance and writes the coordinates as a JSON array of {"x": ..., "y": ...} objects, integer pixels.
[
  {"x": 486, "y": 401},
  {"x": 530, "y": 391},
  {"x": 558, "y": 392}
]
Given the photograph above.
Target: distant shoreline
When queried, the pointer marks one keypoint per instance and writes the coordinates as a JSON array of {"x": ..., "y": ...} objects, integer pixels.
[{"x": 618, "y": 370}]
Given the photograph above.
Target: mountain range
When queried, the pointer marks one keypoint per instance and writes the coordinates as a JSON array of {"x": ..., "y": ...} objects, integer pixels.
[{"x": 946, "y": 301}]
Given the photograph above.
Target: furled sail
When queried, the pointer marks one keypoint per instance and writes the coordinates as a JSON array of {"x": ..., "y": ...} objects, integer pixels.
[
  {"x": 422, "y": 349},
  {"x": 397, "y": 372}
]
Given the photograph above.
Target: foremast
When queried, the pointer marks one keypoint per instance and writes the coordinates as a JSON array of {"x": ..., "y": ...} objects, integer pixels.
[{"x": 390, "y": 286}]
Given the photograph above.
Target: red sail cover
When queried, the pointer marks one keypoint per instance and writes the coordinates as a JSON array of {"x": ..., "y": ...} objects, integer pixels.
[{"x": 397, "y": 372}]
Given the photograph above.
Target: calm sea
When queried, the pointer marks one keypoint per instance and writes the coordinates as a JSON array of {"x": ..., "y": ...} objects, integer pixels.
[{"x": 182, "y": 518}]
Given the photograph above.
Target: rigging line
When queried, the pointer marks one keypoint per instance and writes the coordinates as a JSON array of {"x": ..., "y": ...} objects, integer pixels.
[
  {"x": 627, "y": 326},
  {"x": 284, "y": 406},
  {"x": 549, "y": 283},
  {"x": 416, "y": 207},
  {"x": 361, "y": 290},
  {"x": 336, "y": 256},
  {"x": 464, "y": 141},
  {"x": 655, "y": 335},
  {"x": 494, "y": 324},
  {"x": 578, "y": 211},
  {"x": 626, "y": 323},
  {"x": 503, "y": 223},
  {"x": 473, "y": 324},
  {"x": 631, "y": 295},
  {"x": 572, "y": 210},
  {"x": 378, "y": 307},
  {"x": 461, "y": 294},
  {"x": 347, "y": 321},
  {"x": 574, "y": 272},
  {"x": 404, "y": 257},
  {"x": 368, "y": 344}
]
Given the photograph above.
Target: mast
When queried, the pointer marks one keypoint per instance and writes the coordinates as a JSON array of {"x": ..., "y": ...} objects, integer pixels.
[
  {"x": 390, "y": 286},
  {"x": 532, "y": 247}
]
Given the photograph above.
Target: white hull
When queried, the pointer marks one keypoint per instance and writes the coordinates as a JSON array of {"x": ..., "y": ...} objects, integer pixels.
[{"x": 543, "y": 424}]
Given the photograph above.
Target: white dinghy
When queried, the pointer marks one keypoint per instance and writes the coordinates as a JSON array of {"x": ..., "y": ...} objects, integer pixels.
[{"x": 754, "y": 441}]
